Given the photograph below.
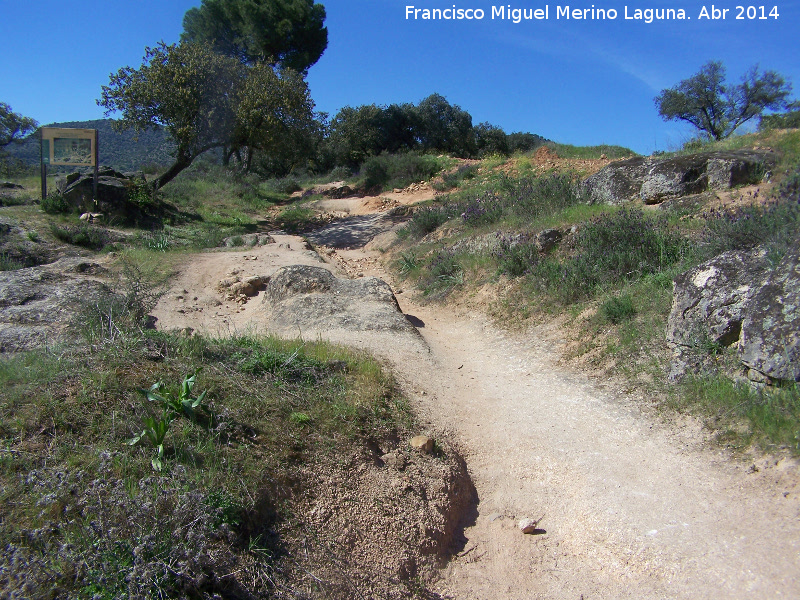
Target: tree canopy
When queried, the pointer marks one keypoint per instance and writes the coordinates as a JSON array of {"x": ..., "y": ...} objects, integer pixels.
[
  {"x": 207, "y": 100},
  {"x": 718, "y": 109},
  {"x": 283, "y": 33},
  {"x": 13, "y": 126}
]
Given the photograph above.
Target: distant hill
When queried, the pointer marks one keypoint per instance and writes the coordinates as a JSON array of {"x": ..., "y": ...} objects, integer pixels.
[{"x": 118, "y": 150}]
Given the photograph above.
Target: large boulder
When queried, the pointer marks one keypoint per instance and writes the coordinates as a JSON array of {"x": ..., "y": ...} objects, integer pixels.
[
  {"x": 738, "y": 299},
  {"x": 115, "y": 193},
  {"x": 306, "y": 298},
  {"x": 709, "y": 301},
  {"x": 654, "y": 180},
  {"x": 770, "y": 342}
]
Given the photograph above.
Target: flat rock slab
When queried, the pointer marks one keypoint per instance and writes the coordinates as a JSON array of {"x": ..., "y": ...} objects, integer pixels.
[
  {"x": 38, "y": 304},
  {"x": 301, "y": 298}
]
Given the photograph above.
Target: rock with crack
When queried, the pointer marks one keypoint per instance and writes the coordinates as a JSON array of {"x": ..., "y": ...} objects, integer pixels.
[
  {"x": 709, "y": 304},
  {"x": 312, "y": 300},
  {"x": 770, "y": 342}
]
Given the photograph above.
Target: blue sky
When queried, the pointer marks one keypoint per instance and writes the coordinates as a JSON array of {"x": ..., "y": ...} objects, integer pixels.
[{"x": 581, "y": 82}]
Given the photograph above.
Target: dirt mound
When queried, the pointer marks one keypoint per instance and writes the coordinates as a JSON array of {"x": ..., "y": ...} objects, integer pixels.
[{"x": 381, "y": 525}]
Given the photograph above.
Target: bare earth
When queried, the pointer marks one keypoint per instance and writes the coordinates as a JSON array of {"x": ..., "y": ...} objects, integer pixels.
[{"x": 633, "y": 507}]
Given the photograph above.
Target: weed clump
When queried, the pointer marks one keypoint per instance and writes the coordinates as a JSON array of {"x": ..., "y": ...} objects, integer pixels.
[
  {"x": 775, "y": 225},
  {"x": 612, "y": 249}
]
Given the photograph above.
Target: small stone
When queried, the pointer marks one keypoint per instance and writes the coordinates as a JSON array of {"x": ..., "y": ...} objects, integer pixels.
[
  {"x": 528, "y": 525},
  {"x": 422, "y": 443}
]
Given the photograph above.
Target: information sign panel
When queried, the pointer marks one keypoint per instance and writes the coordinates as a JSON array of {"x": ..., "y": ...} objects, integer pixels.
[{"x": 76, "y": 147}]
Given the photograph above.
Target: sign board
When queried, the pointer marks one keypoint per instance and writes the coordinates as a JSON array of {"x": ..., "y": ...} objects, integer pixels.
[{"x": 76, "y": 147}]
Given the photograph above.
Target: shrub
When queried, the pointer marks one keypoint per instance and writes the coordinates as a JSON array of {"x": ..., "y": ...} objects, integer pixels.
[
  {"x": 83, "y": 235},
  {"x": 516, "y": 256},
  {"x": 427, "y": 219},
  {"x": 618, "y": 308},
  {"x": 483, "y": 210},
  {"x": 533, "y": 197},
  {"x": 398, "y": 170},
  {"x": 54, "y": 204},
  {"x": 775, "y": 224},
  {"x": 454, "y": 178}
]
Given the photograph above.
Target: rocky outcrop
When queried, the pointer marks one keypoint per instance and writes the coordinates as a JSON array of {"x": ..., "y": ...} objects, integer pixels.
[
  {"x": 305, "y": 298},
  {"x": 737, "y": 298},
  {"x": 38, "y": 304},
  {"x": 654, "y": 180},
  {"x": 122, "y": 195}
]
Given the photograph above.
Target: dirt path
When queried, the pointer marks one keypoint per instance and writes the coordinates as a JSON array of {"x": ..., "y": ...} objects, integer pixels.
[{"x": 633, "y": 508}]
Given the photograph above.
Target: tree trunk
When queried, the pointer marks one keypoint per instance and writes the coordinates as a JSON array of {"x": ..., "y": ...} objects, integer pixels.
[{"x": 182, "y": 160}]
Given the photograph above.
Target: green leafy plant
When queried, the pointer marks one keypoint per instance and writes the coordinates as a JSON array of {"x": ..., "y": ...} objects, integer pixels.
[
  {"x": 174, "y": 406},
  {"x": 155, "y": 430}
]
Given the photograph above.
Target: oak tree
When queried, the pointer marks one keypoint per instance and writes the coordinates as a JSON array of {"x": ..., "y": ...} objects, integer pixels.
[
  {"x": 206, "y": 100},
  {"x": 13, "y": 126},
  {"x": 717, "y": 109}
]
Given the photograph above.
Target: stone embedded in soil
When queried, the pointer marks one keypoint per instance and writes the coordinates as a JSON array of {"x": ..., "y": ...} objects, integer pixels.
[
  {"x": 394, "y": 460},
  {"x": 422, "y": 443}
]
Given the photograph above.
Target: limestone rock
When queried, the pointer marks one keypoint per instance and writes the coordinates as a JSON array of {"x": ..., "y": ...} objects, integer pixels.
[
  {"x": 709, "y": 300},
  {"x": 248, "y": 239},
  {"x": 546, "y": 240},
  {"x": 37, "y": 304},
  {"x": 394, "y": 460},
  {"x": 422, "y": 443},
  {"x": 770, "y": 341},
  {"x": 528, "y": 525},
  {"x": 336, "y": 193}
]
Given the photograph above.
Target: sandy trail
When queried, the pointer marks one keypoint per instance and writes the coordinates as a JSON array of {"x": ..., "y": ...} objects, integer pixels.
[{"x": 633, "y": 508}]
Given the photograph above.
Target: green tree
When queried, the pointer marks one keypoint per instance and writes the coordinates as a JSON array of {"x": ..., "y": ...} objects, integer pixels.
[
  {"x": 356, "y": 134},
  {"x": 274, "y": 118},
  {"x": 13, "y": 126},
  {"x": 444, "y": 127},
  {"x": 718, "y": 109},
  {"x": 490, "y": 139},
  {"x": 205, "y": 100},
  {"x": 285, "y": 33}
]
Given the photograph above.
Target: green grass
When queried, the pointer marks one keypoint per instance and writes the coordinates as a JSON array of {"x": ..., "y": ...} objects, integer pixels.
[
  {"x": 223, "y": 494},
  {"x": 742, "y": 415},
  {"x": 591, "y": 152}
]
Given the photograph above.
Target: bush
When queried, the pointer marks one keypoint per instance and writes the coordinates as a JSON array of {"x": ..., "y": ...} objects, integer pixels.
[
  {"x": 54, "y": 204},
  {"x": 533, "y": 197},
  {"x": 427, "y": 219},
  {"x": 454, "y": 178},
  {"x": 389, "y": 171},
  {"x": 81, "y": 235},
  {"x": 516, "y": 257},
  {"x": 483, "y": 210},
  {"x": 776, "y": 224}
]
